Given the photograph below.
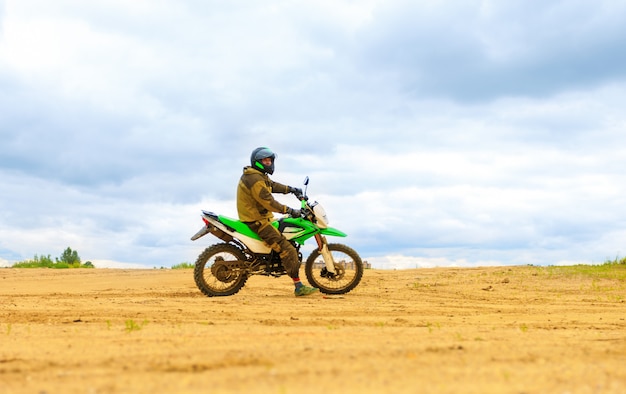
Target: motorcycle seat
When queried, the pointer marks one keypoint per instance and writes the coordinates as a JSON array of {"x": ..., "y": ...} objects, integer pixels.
[{"x": 238, "y": 226}]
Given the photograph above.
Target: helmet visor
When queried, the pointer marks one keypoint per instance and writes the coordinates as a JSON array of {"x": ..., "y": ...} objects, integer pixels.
[{"x": 264, "y": 153}]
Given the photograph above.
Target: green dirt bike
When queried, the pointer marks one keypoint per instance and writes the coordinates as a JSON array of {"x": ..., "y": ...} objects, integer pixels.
[{"x": 223, "y": 269}]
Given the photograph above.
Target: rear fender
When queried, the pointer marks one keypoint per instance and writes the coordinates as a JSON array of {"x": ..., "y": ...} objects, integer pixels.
[
  {"x": 228, "y": 229},
  {"x": 201, "y": 233}
]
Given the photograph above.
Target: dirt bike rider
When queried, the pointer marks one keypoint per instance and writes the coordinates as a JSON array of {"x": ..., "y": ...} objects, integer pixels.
[{"x": 255, "y": 206}]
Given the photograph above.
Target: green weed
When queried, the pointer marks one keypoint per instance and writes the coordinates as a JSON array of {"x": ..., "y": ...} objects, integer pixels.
[
  {"x": 430, "y": 326},
  {"x": 132, "y": 326}
]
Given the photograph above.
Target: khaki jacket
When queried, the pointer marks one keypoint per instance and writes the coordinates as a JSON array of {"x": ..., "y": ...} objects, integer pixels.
[{"x": 254, "y": 196}]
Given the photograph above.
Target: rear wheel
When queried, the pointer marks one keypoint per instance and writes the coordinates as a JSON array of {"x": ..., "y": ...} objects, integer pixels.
[
  {"x": 220, "y": 270},
  {"x": 348, "y": 270}
]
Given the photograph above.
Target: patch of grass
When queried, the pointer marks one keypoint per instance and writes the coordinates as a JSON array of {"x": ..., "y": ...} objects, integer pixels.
[
  {"x": 184, "y": 265},
  {"x": 132, "y": 326},
  {"x": 69, "y": 259},
  {"x": 46, "y": 262},
  {"x": 608, "y": 270},
  {"x": 616, "y": 261}
]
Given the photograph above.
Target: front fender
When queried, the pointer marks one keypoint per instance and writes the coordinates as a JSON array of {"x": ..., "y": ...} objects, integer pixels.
[{"x": 333, "y": 232}]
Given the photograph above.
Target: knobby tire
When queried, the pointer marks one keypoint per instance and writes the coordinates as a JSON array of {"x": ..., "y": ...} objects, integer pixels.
[
  {"x": 207, "y": 282},
  {"x": 352, "y": 275}
]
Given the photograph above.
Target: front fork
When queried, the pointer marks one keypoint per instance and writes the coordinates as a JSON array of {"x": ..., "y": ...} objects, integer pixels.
[{"x": 322, "y": 246}]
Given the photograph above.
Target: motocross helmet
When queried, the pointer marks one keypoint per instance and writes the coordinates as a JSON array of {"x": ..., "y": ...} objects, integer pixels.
[{"x": 259, "y": 154}]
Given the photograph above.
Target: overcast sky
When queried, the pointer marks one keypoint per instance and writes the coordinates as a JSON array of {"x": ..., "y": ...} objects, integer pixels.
[{"x": 435, "y": 133}]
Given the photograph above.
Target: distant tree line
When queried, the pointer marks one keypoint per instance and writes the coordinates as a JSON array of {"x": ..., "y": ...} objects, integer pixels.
[{"x": 68, "y": 259}]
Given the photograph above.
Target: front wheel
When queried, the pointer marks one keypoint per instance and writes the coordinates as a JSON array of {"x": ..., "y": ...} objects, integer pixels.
[
  {"x": 348, "y": 270},
  {"x": 219, "y": 270}
]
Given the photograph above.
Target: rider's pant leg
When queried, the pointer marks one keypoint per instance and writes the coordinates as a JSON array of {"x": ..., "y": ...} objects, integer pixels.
[{"x": 280, "y": 244}]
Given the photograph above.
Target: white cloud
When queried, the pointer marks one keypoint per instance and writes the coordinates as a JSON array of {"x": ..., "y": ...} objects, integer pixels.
[
  {"x": 460, "y": 134},
  {"x": 122, "y": 265},
  {"x": 409, "y": 262}
]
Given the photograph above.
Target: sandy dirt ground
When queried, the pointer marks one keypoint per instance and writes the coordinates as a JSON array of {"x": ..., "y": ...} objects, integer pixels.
[{"x": 482, "y": 330}]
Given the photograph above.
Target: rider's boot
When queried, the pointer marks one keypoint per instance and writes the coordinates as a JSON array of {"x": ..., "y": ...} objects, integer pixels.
[{"x": 305, "y": 290}]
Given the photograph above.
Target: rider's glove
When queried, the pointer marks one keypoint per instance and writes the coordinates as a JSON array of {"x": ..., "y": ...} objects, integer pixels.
[
  {"x": 296, "y": 213},
  {"x": 295, "y": 190}
]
